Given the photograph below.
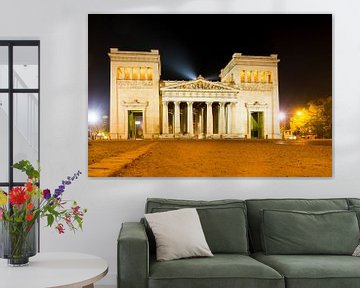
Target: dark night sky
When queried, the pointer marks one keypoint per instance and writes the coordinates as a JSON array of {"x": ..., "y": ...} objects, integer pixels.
[{"x": 190, "y": 45}]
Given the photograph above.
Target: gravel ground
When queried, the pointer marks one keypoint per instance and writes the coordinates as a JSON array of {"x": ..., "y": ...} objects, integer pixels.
[{"x": 220, "y": 158}]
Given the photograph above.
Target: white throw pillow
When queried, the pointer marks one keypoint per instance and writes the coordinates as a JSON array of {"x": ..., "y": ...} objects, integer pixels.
[
  {"x": 178, "y": 234},
  {"x": 357, "y": 251}
]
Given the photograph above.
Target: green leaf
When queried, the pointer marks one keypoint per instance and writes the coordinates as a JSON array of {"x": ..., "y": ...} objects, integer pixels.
[
  {"x": 28, "y": 168},
  {"x": 50, "y": 219},
  {"x": 53, "y": 211},
  {"x": 79, "y": 221}
]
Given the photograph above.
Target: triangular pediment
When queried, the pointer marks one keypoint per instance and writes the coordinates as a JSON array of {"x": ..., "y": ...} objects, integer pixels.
[{"x": 199, "y": 84}]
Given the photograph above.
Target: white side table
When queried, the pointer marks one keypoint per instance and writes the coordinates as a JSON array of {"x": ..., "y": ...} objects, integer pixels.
[{"x": 50, "y": 270}]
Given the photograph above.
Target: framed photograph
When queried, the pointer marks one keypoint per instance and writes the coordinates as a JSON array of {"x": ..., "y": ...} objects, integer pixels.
[{"x": 177, "y": 96}]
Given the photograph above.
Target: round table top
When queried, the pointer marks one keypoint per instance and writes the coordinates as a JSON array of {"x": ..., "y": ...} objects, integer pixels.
[{"x": 60, "y": 269}]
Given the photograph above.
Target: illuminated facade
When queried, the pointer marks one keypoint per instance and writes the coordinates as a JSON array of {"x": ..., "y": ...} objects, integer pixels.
[{"x": 243, "y": 104}]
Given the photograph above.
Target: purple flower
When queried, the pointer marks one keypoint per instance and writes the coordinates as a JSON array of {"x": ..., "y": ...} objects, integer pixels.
[
  {"x": 58, "y": 192},
  {"x": 46, "y": 194},
  {"x": 68, "y": 181}
]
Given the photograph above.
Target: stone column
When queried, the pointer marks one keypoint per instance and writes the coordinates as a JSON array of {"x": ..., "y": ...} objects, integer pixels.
[
  {"x": 222, "y": 118},
  {"x": 190, "y": 129},
  {"x": 209, "y": 119},
  {"x": 138, "y": 73},
  {"x": 177, "y": 117},
  {"x": 239, "y": 122},
  {"x": 229, "y": 118},
  {"x": 165, "y": 118},
  {"x": 236, "y": 118},
  {"x": 151, "y": 74},
  {"x": 201, "y": 120},
  {"x": 121, "y": 72}
]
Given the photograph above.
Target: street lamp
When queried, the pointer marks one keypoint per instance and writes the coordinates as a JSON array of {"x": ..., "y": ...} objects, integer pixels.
[
  {"x": 93, "y": 118},
  {"x": 282, "y": 118}
]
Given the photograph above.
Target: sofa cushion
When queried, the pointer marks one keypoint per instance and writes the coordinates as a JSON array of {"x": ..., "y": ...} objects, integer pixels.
[
  {"x": 353, "y": 201},
  {"x": 356, "y": 209},
  {"x": 254, "y": 206},
  {"x": 354, "y": 205},
  {"x": 297, "y": 232},
  {"x": 313, "y": 271},
  {"x": 222, "y": 270},
  {"x": 223, "y": 221},
  {"x": 178, "y": 234}
]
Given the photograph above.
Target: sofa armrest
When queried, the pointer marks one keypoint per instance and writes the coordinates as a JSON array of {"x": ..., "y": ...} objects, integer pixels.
[{"x": 133, "y": 256}]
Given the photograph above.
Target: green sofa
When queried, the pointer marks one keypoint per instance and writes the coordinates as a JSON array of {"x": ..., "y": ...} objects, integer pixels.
[{"x": 236, "y": 234}]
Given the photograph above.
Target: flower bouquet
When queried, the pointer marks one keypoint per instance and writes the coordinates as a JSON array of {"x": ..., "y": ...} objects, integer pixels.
[{"x": 21, "y": 208}]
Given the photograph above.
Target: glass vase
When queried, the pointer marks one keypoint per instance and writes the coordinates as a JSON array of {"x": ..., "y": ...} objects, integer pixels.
[{"x": 18, "y": 242}]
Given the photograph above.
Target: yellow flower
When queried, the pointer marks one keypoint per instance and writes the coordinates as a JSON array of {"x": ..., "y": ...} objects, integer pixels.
[{"x": 3, "y": 198}]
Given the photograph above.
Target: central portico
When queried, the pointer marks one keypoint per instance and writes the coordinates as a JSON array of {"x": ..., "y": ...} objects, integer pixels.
[
  {"x": 243, "y": 104},
  {"x": 199, "y": 109}
]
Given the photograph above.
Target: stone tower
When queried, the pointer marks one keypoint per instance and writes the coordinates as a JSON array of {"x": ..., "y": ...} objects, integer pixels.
[
  {"x": 134, "y": 94},
  {"x": 258, "y": 100}
]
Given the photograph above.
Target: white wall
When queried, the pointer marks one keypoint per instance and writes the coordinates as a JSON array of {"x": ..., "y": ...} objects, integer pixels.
[{"x": 62, "y": 28}]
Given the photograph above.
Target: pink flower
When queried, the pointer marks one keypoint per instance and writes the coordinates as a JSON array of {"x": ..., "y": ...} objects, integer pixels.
[
  {"x": 60, "y": 228},
  {"x": 68, "y": 219},
  {"x": 76, "y": 209},
  {"x": 1, "y": 212}
]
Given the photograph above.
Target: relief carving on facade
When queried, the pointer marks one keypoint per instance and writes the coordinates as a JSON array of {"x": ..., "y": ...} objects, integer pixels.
[
  {"x": 200, "y": 94},
  {"x": 200, "y": 85},
  {"x": 135, "y": 84},
  {"x": 197, "y": 85},
  {"x": 135, "y": 103},
  {"x": 256, "y": 105},
  {"x": 256, "y": 87}
]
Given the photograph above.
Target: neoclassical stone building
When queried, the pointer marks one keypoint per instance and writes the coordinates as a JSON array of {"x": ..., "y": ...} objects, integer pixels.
[{"x": 243, "y": 104}]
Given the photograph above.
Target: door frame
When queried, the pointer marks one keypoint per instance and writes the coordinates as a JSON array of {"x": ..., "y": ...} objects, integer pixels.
[
  {"x": 132, "y": 122},
  {"x": 260, "y": 130}
]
